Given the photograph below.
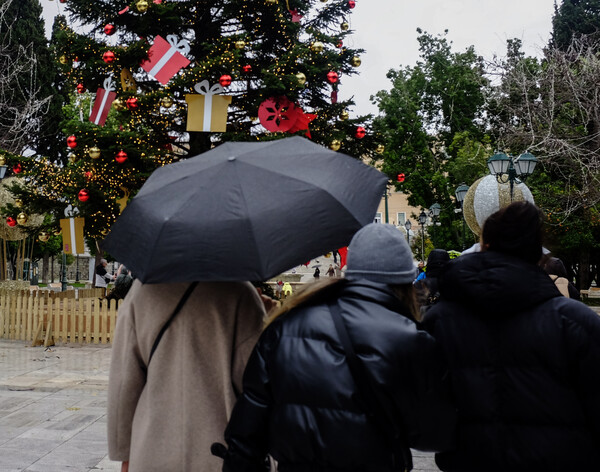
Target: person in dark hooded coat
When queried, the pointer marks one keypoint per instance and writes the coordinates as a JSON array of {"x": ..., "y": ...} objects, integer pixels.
[
  {"x": 523, "y": 360},
  {"x": 301, "y": 403},
  {"x": 427, "y": 289}
]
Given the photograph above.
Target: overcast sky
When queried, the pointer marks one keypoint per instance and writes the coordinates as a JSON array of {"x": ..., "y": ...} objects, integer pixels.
[{"x": 386, "y": 29}]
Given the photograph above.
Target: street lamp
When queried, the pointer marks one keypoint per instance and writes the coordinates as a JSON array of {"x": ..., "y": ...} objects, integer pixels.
[
  {"x": 460, "y": 193},
  {"x": 407, "y": 226},
  {"x": 422, "y": 221},
  {"x": 510, "y": 169},
  {"x": 434, "y": 213}
]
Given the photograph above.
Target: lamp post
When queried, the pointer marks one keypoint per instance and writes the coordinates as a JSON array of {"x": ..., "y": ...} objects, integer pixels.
[
  {"x": 510, "y": 169},
  {"x": 422, "y": 221},
  {"x": 407, "y": 226},
  {"x": 460, "y": 193},
  {"x": 434, "y": 213}
]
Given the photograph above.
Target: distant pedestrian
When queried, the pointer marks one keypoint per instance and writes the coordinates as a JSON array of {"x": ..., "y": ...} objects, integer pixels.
[
  {"x": 523, "y": 359},
  {"x": 103, "y": 278},
  {"x": 317, "y": 273},
  {"x": 287, "y": 289},
  {"x": 122, "y": 284},
  {"x": 331, "y": 271},
  {"x": 279, "y": 288},
  {"x": 427, "y": 288},
  {"x": 555, "y": 268},
  {"x": 303, "y": 401}
]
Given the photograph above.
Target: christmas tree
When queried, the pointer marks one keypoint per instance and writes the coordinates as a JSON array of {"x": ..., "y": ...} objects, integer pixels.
[{"x": 154, "y": 82}]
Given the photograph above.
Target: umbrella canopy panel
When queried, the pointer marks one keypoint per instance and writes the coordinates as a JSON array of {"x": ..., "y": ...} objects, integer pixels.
[{"x": 245, "y": 211}]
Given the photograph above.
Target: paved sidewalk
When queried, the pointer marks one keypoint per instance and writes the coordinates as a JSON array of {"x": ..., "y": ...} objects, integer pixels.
[{"x": 53, "y": 409}]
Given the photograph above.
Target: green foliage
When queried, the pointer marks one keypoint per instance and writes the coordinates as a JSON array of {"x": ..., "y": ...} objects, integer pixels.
[
  {"x": 432, "y": 123},
  {"x": 572, "y": 19}
]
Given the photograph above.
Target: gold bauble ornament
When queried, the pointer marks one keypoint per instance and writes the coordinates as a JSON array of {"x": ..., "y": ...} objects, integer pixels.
[
  {"x": 166, "y": 102},
  {"x": 379, "y": 149},
  {"x": 142, "y": 6},
  {"x": 43, "y": 236},
  {"x": 94, "y": 152},
  {"x": 344, "y": 115},
  {"x": 18, "y": 203},
  {"x": 317, "y": 46},
  {"x": 2, "y": 161},
  {"x": 57, "y": 231},
  {"x": 240, "y": 44},
  {"x": 355, "y": 61},
  {"x": 63, "y": 59},
  {"x": 73, "y": 157},
  {"x": 344, "y": 26},
  {"x": 118, "y": 104},
  {"x": 21, "y": 218},
  {"x": 335, "y": 145},
  {"x": 270, "y": 2},
  {"x": 301, "y": 78}
]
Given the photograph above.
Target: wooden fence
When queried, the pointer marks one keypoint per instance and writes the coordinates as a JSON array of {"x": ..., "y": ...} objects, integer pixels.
[{"x": 46, "y": 317}]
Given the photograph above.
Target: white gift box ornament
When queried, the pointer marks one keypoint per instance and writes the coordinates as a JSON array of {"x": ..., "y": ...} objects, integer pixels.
[{"x": 207, "y": 111}]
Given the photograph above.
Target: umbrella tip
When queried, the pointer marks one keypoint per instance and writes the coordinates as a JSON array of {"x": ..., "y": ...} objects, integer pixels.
[{"x": 232, "y": 158}]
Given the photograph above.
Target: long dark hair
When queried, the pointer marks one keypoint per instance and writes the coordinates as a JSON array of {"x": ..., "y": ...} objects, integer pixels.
[{"x": 321, "y": 290}]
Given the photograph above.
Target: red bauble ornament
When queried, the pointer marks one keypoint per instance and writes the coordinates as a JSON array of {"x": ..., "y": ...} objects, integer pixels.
[
  {"x": 109, "y": 29},
  {"x": 63, "y": 1},
  {"x": 340, "y": 44},
  {"x": 225, "y": 80},
  {"x": 80, "y": 88},
  {"x": 401, "y": 177},
  {"x": 108, "y": 57},
  {"x": 88, "y": 175},
  {"x": 247, "y": 69},
  {"x": 121, "y": 157},
  {"x": 17, "y": 168},
  {"x": 10, "y": 221},
  {"x": 351, "y": 3},
  {"x": 360, "y": 132},
  {"x": 83, "y": 195},
  {"x": 72, "y": 142},
  {"x": 332, "y": 77},
  {"x": 132, "y": 103}
]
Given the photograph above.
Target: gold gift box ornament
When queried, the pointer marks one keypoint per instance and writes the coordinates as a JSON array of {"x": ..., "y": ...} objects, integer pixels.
[{"x": 207, "y": 111}]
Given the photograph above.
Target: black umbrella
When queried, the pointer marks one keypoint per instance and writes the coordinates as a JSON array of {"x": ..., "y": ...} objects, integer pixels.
[{"x": 244, "y": 211}]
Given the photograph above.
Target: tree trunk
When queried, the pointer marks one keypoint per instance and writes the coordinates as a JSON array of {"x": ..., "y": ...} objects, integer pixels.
[
  {"x": 46, "y": 262},
  {"x": 584, "y": 269}
]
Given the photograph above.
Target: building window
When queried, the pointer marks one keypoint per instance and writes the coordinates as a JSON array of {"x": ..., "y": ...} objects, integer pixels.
[
  {"x": 377, "y": 217},
  {"x": 401, "y": 219}
]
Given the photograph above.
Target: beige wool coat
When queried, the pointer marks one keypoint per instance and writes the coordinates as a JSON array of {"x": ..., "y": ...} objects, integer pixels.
[{"x": 166, "y": 417}]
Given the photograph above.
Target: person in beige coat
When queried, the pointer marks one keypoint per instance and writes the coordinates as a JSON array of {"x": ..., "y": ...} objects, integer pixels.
[{"x": 164, "y": 416}]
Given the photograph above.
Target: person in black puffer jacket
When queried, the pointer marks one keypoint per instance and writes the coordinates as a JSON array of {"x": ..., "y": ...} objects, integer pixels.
[
  {"x": 524, "y": 361},
  {"x": 300, "y": 403}
]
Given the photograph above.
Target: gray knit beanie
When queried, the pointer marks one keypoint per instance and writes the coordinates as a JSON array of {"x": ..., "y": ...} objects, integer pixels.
[{"x": 379, "y": 252}]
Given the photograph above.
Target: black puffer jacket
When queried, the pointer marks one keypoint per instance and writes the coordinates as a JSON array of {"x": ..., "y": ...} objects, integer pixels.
[
  {"x": 524, "y": 366},
  {"x": 299, "y": 402}
]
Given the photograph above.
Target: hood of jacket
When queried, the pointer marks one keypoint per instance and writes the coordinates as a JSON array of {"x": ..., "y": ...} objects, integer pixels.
[{"x": 496, "y": 284}]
